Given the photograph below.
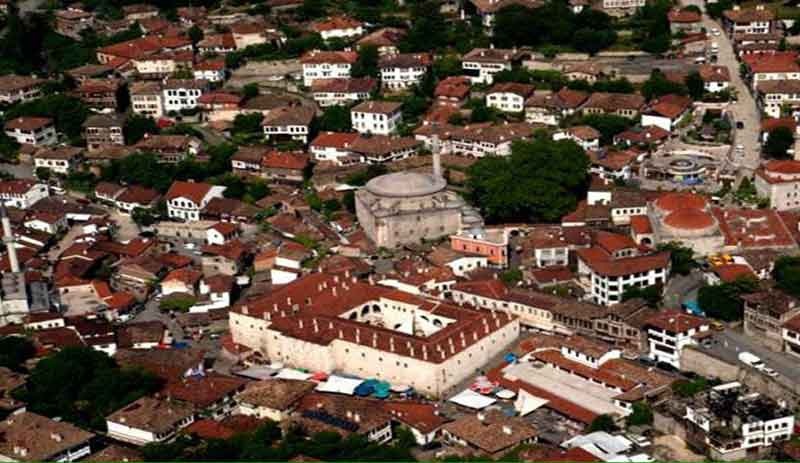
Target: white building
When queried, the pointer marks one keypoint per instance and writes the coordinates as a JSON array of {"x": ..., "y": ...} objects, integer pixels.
[
  {"x": 211, "y": 70},
  {"x": 147, "y": 98},
  {"x": 622, "y": 6},
  {"x": 481, "y": 64},
  {"x": 665, "y": 112},
  {"x": 758, "y": 20},
  {"x": 32, "y": 437},
  {"x": 376, "y": 117},
  {"x": 14, "y": 88},
  {"x": 343, "y": 92},
  {"x": 736, "y": 424},
  {"x": 37, "y": 131},
  {"x": 61, "y": 160},
  {"x": 327, "y": 65},
  {"x": 715, "y": 78},
  {"x": 291, "y": 122},
  {"x": 374, "y": 332},
  {"x": 403, "y": 70},
  {"x": 338, "y": 27},
  {"x": 182, "y": 94},
  {"x": 186, "y": 199},
  {"x": 22, "y": 194},
  {"x": 584, "y": 135},
  {"x": 333, "y": 146},
  {"x": 775, "y": 95},
  {"x": 615, "y": 263},
  {"x": 149, "y": 420},
  {"x": 669, "y": 332},
  {"x": 509, "y": 97},
  {"x": 780, "y": 182}
]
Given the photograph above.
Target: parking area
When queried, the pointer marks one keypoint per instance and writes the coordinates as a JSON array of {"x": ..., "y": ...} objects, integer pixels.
[{"x": 728, "y": 344}]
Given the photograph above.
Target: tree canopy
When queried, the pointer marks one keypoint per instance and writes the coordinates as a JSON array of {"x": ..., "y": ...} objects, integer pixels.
[
  {"x": 335, "y": 118},
  {"x": 787, "y": 274},
  {"x": 723, "y": 300},
  {"x": 15, "y": 351},
  {"x": 779, "y": 141},
  {"x": 658, "y": 85},
  {"x": 83, "y": 386},
  {"x": 68, "y": 112},
  {"x": 540, "y": 181},
  {"x": 682, "y": 257}
]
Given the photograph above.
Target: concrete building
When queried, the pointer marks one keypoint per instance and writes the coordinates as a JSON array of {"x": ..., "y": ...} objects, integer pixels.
[
  {"x": 406, "y": 207},
  {"x": 615, "y": 263},
  {"x": 60, "y": 160},
  {"x": 402, "y": 71},
  {"x": 186, "y": 199},
  {"x": 490, "y": 243},
  {"x": 149, "y": 420},
  {"x": 733, "y": 423},
  {"x": 780, "y": 182},
  {"x": 21, "y": 193},
  {"x": 622, "y": 7},
  {"x": 377, "y": 117},
  {"x": 509, "y": 97},
  {"x": 147, "y": 99},
  {"x": 14, "y": 88},
  {"x": 327, "y": 65},
  {"x": 669, "y": 331},
  {"x": 182, "y": 94},
  {"x": 101, "y": 130},
  {"x": 338, "y": 27},
  {"x": 766, "y": 314},
  {"x": 481, "y": 64},
  {"x": 757, "y": 20},
  {"x": 37, "y": 131},
  {"x": 32, "y": 437},
  {"x": 343, "y": 92},
  {"x": 372, "y": 332},
  {"x": 289, "y": 123}
]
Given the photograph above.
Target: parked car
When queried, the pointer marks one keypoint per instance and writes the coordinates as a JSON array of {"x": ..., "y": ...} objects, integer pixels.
[{"x": 751, "y": 360}]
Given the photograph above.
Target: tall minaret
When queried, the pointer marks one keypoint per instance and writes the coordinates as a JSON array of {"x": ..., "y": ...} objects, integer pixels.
[
  {"x": 8, "y": 239},
  {"x": 436, "y": 149}
]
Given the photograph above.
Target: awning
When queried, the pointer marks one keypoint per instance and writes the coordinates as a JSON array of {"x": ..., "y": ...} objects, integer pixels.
[
  {"x": 471, "y": 399},
  {"x": 527, "y": 402},
  {"x": 339, "y": 385}
]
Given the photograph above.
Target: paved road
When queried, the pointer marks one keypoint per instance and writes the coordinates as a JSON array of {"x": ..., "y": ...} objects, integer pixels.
[
  {"x": 682, "y": 288},
  {"x": 18, "y": 170},
  {"x": 745, "y": 109},
  {"x": 728, "y": 344},
  {"x": 151, "y": 312}
]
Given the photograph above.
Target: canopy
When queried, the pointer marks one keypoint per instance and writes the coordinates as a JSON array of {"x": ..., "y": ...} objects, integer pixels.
[
  {"x": 339, "y": 385},
  {"x": 291, "y": 373},
  {"x": 527, "y": 402},
  {"x": 471, "y": 399}
]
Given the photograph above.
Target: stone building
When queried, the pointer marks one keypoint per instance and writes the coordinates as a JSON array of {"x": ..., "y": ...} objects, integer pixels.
[{"x": 406, "y": 207}]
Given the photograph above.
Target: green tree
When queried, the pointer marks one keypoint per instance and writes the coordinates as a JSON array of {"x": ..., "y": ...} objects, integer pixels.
[
  {"x": 312, "y": 9},
  {"x": 695, "y": 85},
  {"x": 681, "y": 257},
  {"x": 83, "y": 386},
  {"x": 779, "y": 141},
  {"x": 652, "y": 26},
  {"x": 15, "y": 351},
  {"x": 177, "y": 303},
  {"x": 43, "y": 173},
  {"x": 787, "y": 274},
  {"x": 591, "y": 41},
  {"x": 335, "y": 119},
  {"x": 195, "y": 34},
  {"x": 137, "y": 126},
  {"x": 511, "y": 276},
  {"x": 248, "y": 126},
  {"x": 143, "y": 217},
  {"x": 250, "y": 91},
  {"x": 603, "y": 423},
  {"x": 609, "y": 125},
  {"x": 723, "y": 301},
  {"x": 642, "y": 415},
  {"x": 658, "y": 85},
  {"x": 651, "y": 294},
  {"x": 68, "y": 112},
  {"x": 428, "y": 28},
  {"x": 367, "y": 63},
  {"x": 540, "y": 181}
]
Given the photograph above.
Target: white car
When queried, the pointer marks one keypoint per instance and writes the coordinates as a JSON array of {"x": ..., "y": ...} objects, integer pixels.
[
  {"x": 715, "y": 31},
  {"x": 189, "y": 246},
  {"x": 769, "y": 372}
]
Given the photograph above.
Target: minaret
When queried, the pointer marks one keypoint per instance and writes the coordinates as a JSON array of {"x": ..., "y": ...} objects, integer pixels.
[
  {"x": 8, "y": 239},
  {"x": 436, "y": 149}
]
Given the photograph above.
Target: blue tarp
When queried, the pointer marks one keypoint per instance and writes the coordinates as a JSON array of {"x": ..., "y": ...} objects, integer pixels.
[{"x": 693, "y": 308}]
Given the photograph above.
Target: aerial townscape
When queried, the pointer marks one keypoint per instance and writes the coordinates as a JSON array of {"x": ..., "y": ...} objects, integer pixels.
[{"x": 399, "y": 230}]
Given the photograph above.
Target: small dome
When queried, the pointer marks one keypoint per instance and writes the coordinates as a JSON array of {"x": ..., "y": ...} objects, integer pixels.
[
  {"x": 405, "y": 185},
  {"x": 673, "y": 201},
  {"x": 689, "y": 219}
]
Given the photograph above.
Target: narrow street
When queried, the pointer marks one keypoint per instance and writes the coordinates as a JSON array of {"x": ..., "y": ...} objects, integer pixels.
[{"x": 744, "y": 109}]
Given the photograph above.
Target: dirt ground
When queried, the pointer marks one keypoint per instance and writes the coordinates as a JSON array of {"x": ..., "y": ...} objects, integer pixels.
[{"x": 673, "y": 448}]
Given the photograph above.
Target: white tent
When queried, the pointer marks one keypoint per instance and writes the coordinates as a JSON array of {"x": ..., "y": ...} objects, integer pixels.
[
  {"x": 472, "y": 399},
  {"x": 527, "y": 402},
  {"x": 339, "y": 385},
  {"x": 291, "y": 373},
  {"x": 602, "y": 445}
]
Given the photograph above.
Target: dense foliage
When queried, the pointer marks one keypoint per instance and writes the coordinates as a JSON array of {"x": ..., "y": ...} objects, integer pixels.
[
  {"x": 15, "y": 351},
  {"x": 266, "y": 444},
  {"x": 779, "y": 141},
  {"x": 723, "y": 301},
  {"x": 540, "y": 181},
  {"x": 787, "y": 274},
  {"x": 83, "y": 386}
]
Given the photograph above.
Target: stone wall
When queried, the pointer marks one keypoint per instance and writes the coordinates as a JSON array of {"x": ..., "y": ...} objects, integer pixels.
[{"x": 668, "y": 425}]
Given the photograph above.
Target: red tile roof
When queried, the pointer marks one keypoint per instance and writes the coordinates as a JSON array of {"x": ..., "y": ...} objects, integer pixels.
[
  {"x": 341, "y": 140},
  {"x": 28, "y": 123},
  {"x": 285, "y": 160},
  {"x": 640, "y": 224},
  {"x": 675, "y": 321},
  {"x": 186, "y": 275},
  {"x": 192, "y": 190}
]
